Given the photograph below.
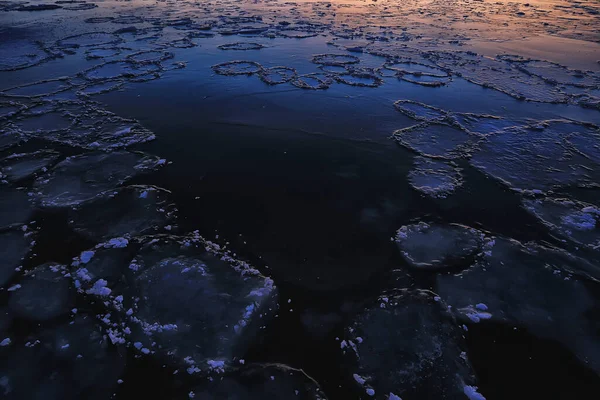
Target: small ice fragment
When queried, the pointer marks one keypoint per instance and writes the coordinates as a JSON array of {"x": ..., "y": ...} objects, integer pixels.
[
  {"x": 481, "y": 307},
  {"x": 137, "y": 345},
  {"x": 5, "y": 342},
  {"x": 14, "y": 287},
  {"x": 392, "y": 396},
  {"x": 144, "y": 194},
  {"x": 191, "y": 395},
  {"x": 359, "y": 379},
  {"x": 65, "y": 346},
  {"x": 119, "y": 381},
  {"x": 242, "y": 362},
  {"x": 99, "y": 288},
  {"x": 472, "y": 393},
  {"x": 86, "y": 256},
  {"x": 370, "y": 392},
  {"x": 145, "y": 350}
]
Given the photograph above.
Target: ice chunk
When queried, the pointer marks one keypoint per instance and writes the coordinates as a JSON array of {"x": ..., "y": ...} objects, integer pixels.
[
  {"x": 526, "y": 286},
  {"x": 536, "y": 156},
  {"x": 436, "y": 140},
  {"x": 22, "y": 166},
  {"x": 237, "y": 68},
  {"x": 129, "y": 211},
  {"x": 277, "y": 75},
  {"x": 314, "y": 81},
  {"x": 197, "y": 305},
  {"x": 335, "y": 59},
  {"x": 81, "y": 178},
  {"x": 89, "y": 40},
  {"x": 430, "y": 246},
  {"x": 576, "y": 221},
  {"x": 44, "y": 294},
  {"x": 412, "y": 348},
  {"x": 434, "y": 178},
  {"x": 241, "y": 46}
]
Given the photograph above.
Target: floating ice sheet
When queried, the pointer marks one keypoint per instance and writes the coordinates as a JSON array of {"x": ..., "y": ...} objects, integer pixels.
[
  {"x": 124, "y": 212},
  {"x": 81, "y": 178},
  {"x": 408, "y": 344},
  {"x": 529, "y": 286}
]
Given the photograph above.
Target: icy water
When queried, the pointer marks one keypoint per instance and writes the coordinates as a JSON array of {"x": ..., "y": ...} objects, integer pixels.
[{"x": 314, "y": 199}]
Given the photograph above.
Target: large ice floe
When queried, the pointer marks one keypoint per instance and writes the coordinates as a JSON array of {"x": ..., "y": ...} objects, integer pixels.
[
  {"x": 81, "y": 178},
  {"x": 180, "y": 298},
  {"x": 407, "y": 344}
]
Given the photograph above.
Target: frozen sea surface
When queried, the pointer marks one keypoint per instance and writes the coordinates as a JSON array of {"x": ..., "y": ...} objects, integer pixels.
[{"x": 258, "y": 200}]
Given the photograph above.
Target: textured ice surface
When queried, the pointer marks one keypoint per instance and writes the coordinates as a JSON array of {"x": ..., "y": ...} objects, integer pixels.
[
  {"x": 314, "y": 81},
  {"x": 14, "y": 246},
  {"x": 431, "y": 246},
  {"x": 195, "y": 304},
  {"x": 529, "y": 286},
  {"x": 579, "y": 222},
  {"x": 17, "y": 167},
  {"x": 277, "y": 75},
  {"x": 129, "y": 211},
  {"x": 436, "y": 140},
  {"x": 420, "y": 111},
  {"x": 241, "y": 46},
  {"x": 237, "y": 68},
  {"x": 81, "y": 178},
  {"x": 89, "y": 39},
  {"x": 262, "y": 382},
  {"x": 409, "y": 344},
  {"x": 20, "y": 54},
  {"x": 335, "y": 59},
  {"x": 45, "y": 293},
  {"x": 539, "y": 156},
  {"x": 434, "y": 178}
]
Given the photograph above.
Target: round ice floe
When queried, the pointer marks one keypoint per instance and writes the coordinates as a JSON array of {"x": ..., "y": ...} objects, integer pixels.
[
  {"x": 200, "y": 307},
  {"x": 89, "y": 39},
  {"x": 358, "y": 78},
  {"x": 127, "y": 19},
  {"x": 120, "y": 69},
  {"x": 45, "y": 293},
  {"x": 14, "y": 246},
  {"x": 262, "y": 382},
  {"x": 241, "y": 46},
  {"x": 435, "y": 178},
  {"x": 15, "y": 207},
  {"x": 436, "y": 140},
  {"x": 576, "y": 221},
  {"x": 335, "y": 59},
  {"x": 529, "y": 286},
  {"x": 81, "y": 178},
  {"x": 419, "y": 111},
  {"x": 17, "y": 167},
  {"x": 98, "y": 20},
  {"x": 124, "y": 212},
  {"x": 277, "y": 75},
  {"x": 406, "y": 343},
  {"x": 313, "y": 81},
  {"x": 430, "y": 246},
  {"x": 237, "y": 68},
  {"x": 107, "y": 261}
]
